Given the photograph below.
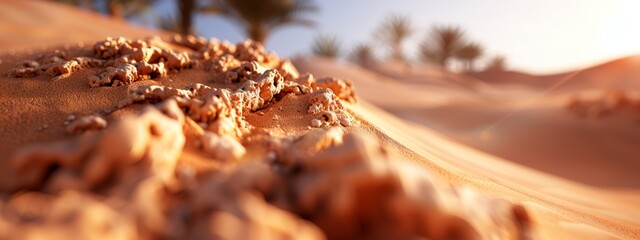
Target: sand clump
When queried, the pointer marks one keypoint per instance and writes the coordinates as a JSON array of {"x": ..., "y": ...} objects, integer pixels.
[
  {"x": 324, "y": 100},
  {"x": 91, "y": 160},
  {"x": 85, "y": 123},
  {"x": 351, "y": 183},
  {"x": 124, "y": 61},
  {"x": 53, "y": 63},
  {"x": 607, "y": 104},
  {"x": 187, "y": 162}
]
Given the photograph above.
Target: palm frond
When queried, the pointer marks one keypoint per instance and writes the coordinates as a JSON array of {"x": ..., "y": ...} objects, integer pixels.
[
  {"x": 468, "y": 54},
  {"x": 260, "y": 17},
  {"x": 442, "y": 44},
  {"x": 470, "y": 51},
  {"x": 497, "y": 63},
  {"x": 363, "y": 54},
  {"x": 394, "y": 30},
  {"x": 326, "y": 46}
]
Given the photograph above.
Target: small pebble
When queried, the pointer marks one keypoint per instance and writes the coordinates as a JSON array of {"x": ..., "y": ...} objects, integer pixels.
[
  {"x": 345, "y": 122},
  {"x": 316, "y": 123}
]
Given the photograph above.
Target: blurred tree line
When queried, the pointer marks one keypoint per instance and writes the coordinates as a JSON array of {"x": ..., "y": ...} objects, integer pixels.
[
  {"x": 443, "y": 45},
  {"x": 258, "y": 18}
]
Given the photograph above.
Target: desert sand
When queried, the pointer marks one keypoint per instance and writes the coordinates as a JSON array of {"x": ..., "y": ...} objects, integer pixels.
[
  {"x": 529, "y": 121},
  {"x": 142, "y": 135}
]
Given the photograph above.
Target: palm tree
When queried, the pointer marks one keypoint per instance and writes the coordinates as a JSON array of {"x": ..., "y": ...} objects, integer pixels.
[
  {"x": 260, "y": 17},
  {"x": 442, "y": 44},
  {"x": 326, "y": 46},
  {"x": 468, "y": 54},
  {"x": 394, "y": 31},
  {"x": 497, "y": 63},
  {"x": 363, "y": 54}
]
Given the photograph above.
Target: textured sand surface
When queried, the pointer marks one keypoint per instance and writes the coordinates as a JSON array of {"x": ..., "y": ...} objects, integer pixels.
[{"x": 187, "y": 138}]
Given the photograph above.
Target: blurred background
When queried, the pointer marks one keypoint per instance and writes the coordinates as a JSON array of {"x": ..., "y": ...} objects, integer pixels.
[{"x": 538, "y": 37}]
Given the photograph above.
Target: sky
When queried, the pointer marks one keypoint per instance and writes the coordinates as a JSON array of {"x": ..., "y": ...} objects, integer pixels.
[{"x": 540, "y": 37}]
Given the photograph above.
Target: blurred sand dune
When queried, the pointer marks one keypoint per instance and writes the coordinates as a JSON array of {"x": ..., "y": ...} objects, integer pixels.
[
  {"x": 36, "y": 24},
  {"x": 518, "y": 121}
]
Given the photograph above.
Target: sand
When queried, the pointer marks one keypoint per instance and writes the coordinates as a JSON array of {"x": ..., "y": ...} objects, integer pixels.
[
  {"x": 537, "y": 130},
  {"x": 183, "y": 137},
  {"x": 586, "y": 133}
]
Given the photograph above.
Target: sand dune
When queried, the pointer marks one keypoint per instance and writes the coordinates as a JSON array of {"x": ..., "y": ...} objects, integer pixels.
[
  {"x": 619, "y": 74},
  {"x": 190, "y": 138},
  {"x": 37, "y": 24},
  {"x": 523, "y": 124}
]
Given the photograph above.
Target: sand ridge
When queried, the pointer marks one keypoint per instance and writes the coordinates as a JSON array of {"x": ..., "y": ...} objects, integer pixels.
[{"x": 531, "y": 126}]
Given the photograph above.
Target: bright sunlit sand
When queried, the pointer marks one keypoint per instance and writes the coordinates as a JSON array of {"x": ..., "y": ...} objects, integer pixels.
[{"x": 115, "y": 131}]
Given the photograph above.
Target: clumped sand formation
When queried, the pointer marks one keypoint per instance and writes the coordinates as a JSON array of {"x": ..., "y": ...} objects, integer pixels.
[
  {"x": 193, "y": 163},
  {"x": 85, "y": 123},
  {"x": 608, "y": 104}
]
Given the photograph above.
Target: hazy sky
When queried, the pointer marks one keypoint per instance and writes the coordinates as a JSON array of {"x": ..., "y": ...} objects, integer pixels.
[{"x": 542, "y": 36}]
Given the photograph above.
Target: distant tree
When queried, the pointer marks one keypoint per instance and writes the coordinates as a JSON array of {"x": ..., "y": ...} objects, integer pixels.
[
  {"x": 497, "y": 63},
  {"x": 115, "y": 8},
  {"x": 394, "y": 31},
  {"x": 468, "y": 54},
  {"x": 259, "y": 18},
  {"x": 362, "y": 54},
  {"x": 326, "y": 46},
  {"x": 168, "y": 23},
  {"x": 182, "y": 21},
  {"x": 86, "y": 4},
  {"x": 442, "y": 44}
]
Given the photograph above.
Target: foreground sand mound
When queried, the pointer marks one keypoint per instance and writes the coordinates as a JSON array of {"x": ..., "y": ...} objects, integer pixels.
[{"x": 199, "y": 139}]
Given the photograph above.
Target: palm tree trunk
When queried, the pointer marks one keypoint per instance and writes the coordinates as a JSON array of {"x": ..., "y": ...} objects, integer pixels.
[
  {"x": 186, "y": 16},
  {"x": 114, "y": 8},
  {"x": 444, "y": 62},
  {"x": 397, "y": 52},
  {"x": 257, "y": 32}
]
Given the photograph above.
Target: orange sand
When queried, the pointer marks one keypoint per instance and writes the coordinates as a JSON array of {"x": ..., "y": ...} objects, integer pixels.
[
  {"x": 189, "y": 138},
  {"x": 594, "y": 142}
]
